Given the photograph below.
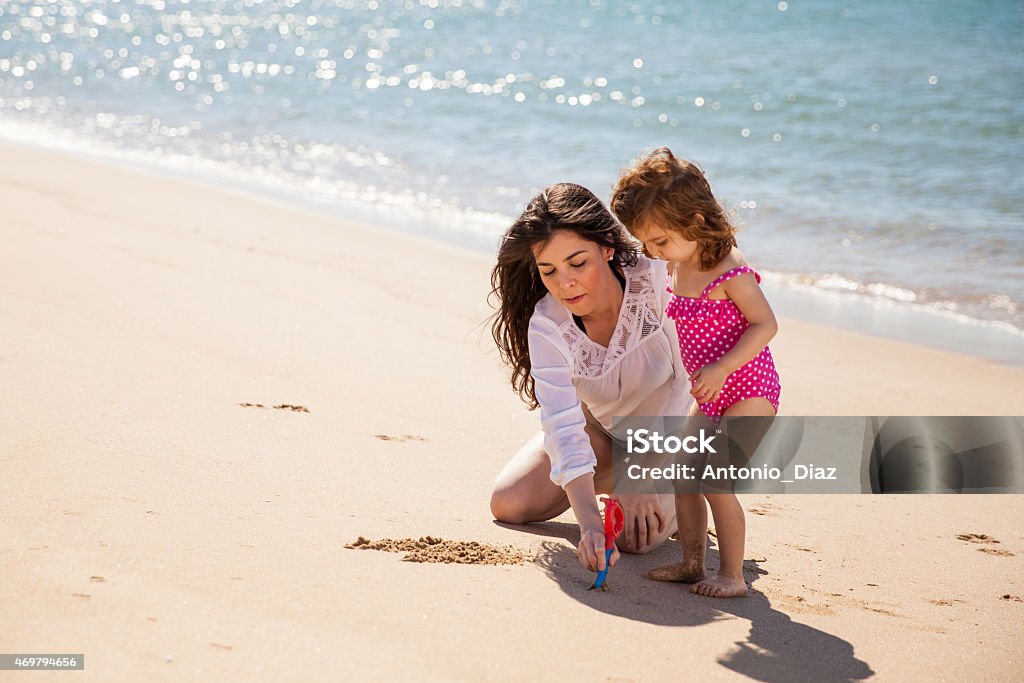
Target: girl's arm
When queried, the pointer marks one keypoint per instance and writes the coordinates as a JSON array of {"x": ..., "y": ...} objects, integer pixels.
[{"x": 748, "y": 297}]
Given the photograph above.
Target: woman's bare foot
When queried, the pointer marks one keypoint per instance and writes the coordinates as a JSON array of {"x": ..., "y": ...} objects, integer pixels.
[
  {"x": 719, "y": 586},
  {"x": 682, "y": 572}
]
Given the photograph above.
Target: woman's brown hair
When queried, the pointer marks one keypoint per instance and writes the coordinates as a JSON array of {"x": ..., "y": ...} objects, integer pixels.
[
  {"x": 675, "y": 194},
  {"x": 515, "y": 281}
]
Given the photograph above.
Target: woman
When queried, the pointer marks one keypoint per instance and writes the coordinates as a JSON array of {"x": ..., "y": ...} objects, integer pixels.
[{"x": 580, "y": 322}]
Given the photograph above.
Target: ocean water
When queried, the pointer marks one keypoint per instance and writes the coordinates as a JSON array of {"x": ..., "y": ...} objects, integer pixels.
[{"x": 872, "y": 153}]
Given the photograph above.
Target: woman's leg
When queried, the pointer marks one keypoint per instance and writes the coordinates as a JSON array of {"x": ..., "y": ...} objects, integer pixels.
[
  {"x": 631, "y": 540},
  {"x": 639, "y": 544},
  {"x": 524, "y": 492}
]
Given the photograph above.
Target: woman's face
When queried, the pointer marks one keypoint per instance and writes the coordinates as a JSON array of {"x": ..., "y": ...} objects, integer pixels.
[{"x": 575, "y": 271}]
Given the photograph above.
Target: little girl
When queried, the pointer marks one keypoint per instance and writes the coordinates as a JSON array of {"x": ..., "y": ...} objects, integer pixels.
[{"x": 724, "y": 324}]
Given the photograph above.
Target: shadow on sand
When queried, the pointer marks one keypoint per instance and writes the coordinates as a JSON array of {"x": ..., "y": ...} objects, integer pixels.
[{"x": 776, "y": 649}]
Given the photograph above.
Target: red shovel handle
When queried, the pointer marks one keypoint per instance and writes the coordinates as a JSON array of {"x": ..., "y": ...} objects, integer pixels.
[{"x": 614, "y": 520}]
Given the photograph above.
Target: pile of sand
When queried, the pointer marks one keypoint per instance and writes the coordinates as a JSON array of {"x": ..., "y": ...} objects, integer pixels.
[{"x": 432, "y": 549}]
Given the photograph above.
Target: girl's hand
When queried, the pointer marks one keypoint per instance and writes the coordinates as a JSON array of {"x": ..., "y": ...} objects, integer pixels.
[
  {"x": 591, "y": 549},
  {"x": 708, "y": 382},
  {"x": 643, "y": 518}
]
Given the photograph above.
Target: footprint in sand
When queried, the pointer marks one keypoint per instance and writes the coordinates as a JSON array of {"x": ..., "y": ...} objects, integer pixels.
[
  {"x": 976, "y": 538},
  {"x": 984, "y": 538},
  {"x": 945, "y": 603},
  {"x": 829, "y": 602},
  {"x": 282, "y": 406},
  {"x": 799, "y": 547},
  {"x": 402, "y": 437},
  {"x": 767, "y": 509},
  {"x": 439, "y": 550},
  {"x": 798, "y": 603}
]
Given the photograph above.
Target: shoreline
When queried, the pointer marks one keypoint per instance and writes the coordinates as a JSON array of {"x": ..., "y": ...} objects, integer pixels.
[
  {"x": 988, "y": 340},
  {"x": 163, "y": 523}
]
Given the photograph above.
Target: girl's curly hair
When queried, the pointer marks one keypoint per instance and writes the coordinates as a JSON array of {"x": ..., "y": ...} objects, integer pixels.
[{"x": 674, "y": 193}]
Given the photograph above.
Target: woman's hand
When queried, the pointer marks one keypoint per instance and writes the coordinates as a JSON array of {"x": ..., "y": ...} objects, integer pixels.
[
  {"x": 644, "y": 518},
  {"x": 584, "y": 505},
  {"x": 708, "y": 382},
  {"x": 591, "y": 549}
]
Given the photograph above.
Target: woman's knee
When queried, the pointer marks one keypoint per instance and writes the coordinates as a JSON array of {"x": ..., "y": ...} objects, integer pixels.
[
  {"x": 635, "y": 548},
  {"x": 523, "y": 491},
  {"x": 522, "y": 504},
  {"x": 653, "y": 540},
  {"x": 507, "y": 507}
]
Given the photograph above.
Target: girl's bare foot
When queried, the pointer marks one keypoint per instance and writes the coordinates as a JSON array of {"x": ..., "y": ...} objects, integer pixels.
[
  {"x": 682, "y": 572},
  {"x": 719, "y": 586}
]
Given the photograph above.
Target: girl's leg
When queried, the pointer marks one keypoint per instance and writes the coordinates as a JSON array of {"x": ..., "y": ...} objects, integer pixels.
[
  {"x": 692, "y": 517},
  {"x": 751, "y": 407},
  {"x": 730, "y": 524},
  {"x": 731, "y": 528}
]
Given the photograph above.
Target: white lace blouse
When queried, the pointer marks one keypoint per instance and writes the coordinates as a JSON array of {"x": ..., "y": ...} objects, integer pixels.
[{"x": 639, "y": 373}]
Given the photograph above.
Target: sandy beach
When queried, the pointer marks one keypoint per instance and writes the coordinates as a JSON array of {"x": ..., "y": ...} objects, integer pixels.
[{"x": 158, "y": 525}]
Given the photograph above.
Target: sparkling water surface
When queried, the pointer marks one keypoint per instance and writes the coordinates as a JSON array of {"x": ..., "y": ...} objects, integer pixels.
[{"x": 871, "y": 152}]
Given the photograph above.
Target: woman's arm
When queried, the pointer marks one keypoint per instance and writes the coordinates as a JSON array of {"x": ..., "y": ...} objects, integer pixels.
[
  {"x": 583, "y": 500},
  {"x": 561, "y": 414},
  {"x": 566, "y": 442}
]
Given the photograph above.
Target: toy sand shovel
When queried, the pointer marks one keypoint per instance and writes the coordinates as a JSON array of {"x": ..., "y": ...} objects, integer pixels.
[{"x": 614, "y": 521}]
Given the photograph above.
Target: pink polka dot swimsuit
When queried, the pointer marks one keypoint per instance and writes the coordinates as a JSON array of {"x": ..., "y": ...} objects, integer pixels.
[{"x": 710, "y": 328}]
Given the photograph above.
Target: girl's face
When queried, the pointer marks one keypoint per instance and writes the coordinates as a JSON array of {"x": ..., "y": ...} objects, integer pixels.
[
  {"x": 575, "y": 271},
  {"x": 667, "y": 245}
]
